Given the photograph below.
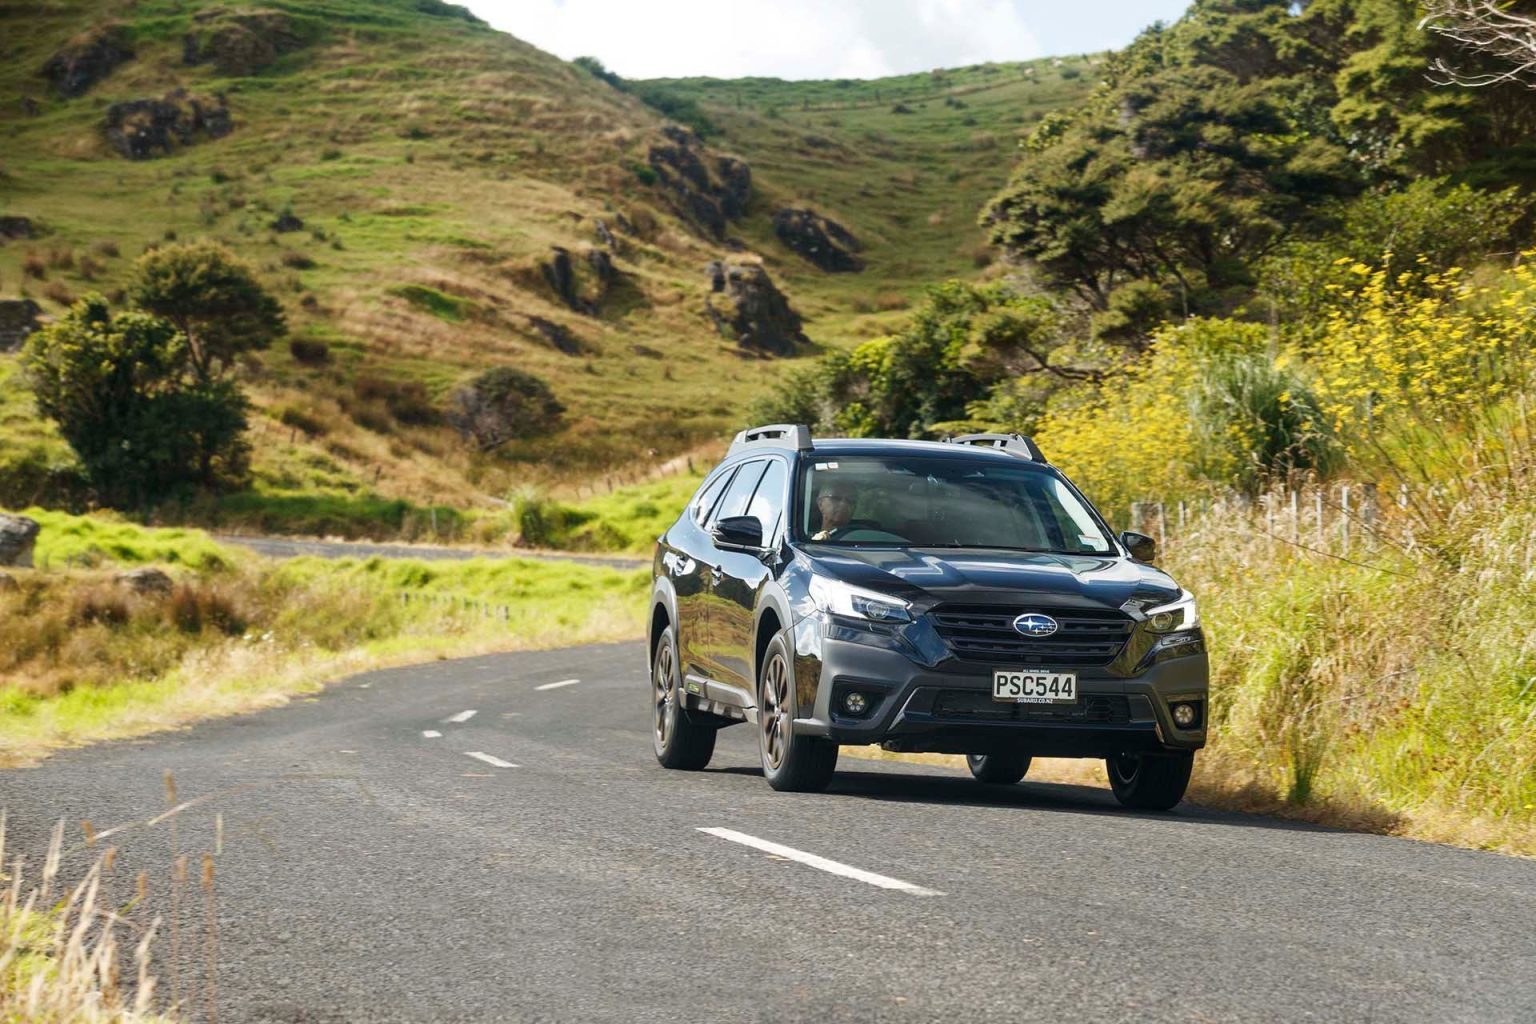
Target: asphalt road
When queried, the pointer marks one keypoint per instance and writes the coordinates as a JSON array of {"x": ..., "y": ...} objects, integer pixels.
[
  {"x": 282, "y": 547},
  {"x": 379, "y": 864}
]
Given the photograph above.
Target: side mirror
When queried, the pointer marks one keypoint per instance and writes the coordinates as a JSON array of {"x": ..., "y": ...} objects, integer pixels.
[
  {"x": 738, "y": 533},
  {"x": 1141, "y": 547}
]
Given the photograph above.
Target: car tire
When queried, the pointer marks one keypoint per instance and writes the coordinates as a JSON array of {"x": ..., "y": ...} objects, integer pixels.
[
  {"x": 998, "y": 769},
  {"x": 1149, "y": 782},
  {"x": 791, "y": 764},
  {"x": 679, "y": 741}
]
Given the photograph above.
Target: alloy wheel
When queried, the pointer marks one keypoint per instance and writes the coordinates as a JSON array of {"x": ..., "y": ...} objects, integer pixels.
[
  {"x": 775, "y": 711},
  {"x": 663, "y": 694}
]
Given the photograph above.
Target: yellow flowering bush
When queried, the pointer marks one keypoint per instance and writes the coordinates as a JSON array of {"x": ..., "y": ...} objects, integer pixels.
[
  {"x": 1134, "y": 438},
  {"x": 1421, "y": 343}
]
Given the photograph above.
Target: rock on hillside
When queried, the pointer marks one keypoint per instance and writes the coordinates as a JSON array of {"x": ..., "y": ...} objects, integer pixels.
[
  {"x": 140, "y": 129},
  {"x": 88, "y": 58},
  {"x": 820, "y": 240},
  {"x": 704, "y": 187},
  {"x": 18, "y": 535},
  {"x": 18, "y": 318},
  {"x": 758, "y": 316},
  {"x": 239, "y": 41}
]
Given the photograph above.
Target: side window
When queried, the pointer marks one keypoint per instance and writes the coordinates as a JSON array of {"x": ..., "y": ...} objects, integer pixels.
[
  {"x": 707, "y": 497},
  {"x": 767, "y": 502},
  {"x": 740, "y": 492}
]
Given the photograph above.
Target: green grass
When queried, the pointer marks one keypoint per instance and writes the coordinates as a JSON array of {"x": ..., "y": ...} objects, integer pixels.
[
  {"x": 81, "y": 659},
  {"x": 66, "y": 540}
]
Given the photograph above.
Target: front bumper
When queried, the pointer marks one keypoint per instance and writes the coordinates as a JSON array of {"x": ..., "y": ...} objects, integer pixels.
[{"x": 947, "y": 706}]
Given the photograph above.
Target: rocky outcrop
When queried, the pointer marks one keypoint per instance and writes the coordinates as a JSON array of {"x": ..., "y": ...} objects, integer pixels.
[
  {"x": 705, "y": 188},
  {"x": 580, "y": 285},
  {"x": 88, "y": 58},
  {"x": 18, "y": 319},
  {"x": 558, "y": 335},
  {"x": 146, "y": 582},
  {"x": 12, "y": 227},
  {"x": 754, "y": 312},
  {"x": 140, "y": 129},
  {"x": 18, "y": 536},
  {"x": 819, "y": 240},
  {"x": 240, "y": 41}
]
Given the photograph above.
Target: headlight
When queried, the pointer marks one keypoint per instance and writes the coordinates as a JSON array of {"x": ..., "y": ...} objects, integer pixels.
[
  {"x": 840, "y": 598},
  {"x": 1180, "y": 614}
]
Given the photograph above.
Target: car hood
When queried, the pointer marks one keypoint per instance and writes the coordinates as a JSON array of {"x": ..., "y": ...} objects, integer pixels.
[{"x": 979, "y": 576}]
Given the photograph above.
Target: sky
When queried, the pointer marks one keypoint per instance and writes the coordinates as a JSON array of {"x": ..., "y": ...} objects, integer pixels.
[{"x": 817, "y": 38}]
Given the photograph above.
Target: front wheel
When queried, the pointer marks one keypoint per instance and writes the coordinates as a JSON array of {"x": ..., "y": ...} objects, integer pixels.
[
  {"x": 1149, "y": 782},
  {"x": 795, "y": 764},
  {"x": 678, "y": 741},
  {"x": 998, "y": 769}
]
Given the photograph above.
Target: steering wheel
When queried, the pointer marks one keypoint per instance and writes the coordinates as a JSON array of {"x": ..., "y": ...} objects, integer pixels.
[{"x": 850, "y": 525}]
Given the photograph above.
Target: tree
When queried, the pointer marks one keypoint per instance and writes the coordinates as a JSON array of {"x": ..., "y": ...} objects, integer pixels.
[
  {"x": 1489, "y": 28},
  {"x": 1200, "y": 154},
  {"x": 213, "y": 298},
  {"x": 503, "y": 404},
  {"x": 121, "y": 389},
  {"x": 923, "y": 381}
]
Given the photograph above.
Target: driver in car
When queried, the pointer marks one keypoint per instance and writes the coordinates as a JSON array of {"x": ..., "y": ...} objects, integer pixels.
[{"x": 835, "y": 503}]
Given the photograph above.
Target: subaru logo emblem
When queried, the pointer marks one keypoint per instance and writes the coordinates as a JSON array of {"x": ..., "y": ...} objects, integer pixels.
[{"x": 1035, "y": 624}]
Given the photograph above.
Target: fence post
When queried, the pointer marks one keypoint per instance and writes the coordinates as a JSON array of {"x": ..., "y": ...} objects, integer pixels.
[
  {"x": 1344, "y": 522},
  {"x": 1295, "y": 519},
  {"x": 1162, "y": 526},
  {"x": 1317, "y": 502}
]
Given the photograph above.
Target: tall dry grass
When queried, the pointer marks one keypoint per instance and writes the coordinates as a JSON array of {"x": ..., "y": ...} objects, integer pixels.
[
  {"x": 66, "y": 955},
  {"x": 1378, "y": 668}
]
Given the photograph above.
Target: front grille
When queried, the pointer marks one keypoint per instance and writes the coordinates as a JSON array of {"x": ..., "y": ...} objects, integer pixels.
[
  {"x": 978, "y": 705},
  {"x": 1088, "y": 636}
]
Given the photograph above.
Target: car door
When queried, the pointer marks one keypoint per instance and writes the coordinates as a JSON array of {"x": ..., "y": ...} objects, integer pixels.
[
  {"x": 733, "y": 502},
  {"x": 741, "y": 575},
  {"x": 689, "y": 561}
]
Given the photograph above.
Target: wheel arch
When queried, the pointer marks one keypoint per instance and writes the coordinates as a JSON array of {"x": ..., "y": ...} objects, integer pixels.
[{"x": 663, "y": 614}]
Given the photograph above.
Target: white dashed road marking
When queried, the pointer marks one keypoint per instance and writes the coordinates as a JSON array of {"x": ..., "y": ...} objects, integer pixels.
[
  {"x": 431, "y": 734},
  {"x": 821, "y": 863},
  {"x": 462, "y": 716},
  {"x": 495, "y": 762},
  {"x": 556, "y": 686}
]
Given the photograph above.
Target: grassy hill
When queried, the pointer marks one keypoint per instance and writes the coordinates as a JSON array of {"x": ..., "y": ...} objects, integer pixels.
[
  {"x": 904, "y": 162},
  {"x": 403, "y": 175}
]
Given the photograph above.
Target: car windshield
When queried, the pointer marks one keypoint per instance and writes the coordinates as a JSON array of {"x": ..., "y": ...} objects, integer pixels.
[{"x": 907, "y": 501}]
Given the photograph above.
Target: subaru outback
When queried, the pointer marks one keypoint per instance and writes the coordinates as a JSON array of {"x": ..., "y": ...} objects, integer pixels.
[{"x": 959, "y": 597}]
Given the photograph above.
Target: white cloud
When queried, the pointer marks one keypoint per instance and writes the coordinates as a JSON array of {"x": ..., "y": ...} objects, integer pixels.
[{"x": 782, "y": 38}]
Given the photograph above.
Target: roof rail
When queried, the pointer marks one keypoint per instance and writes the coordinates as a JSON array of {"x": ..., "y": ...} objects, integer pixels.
[
  {"x": 1015, "y": 444},
  {"x": 778, "y": 435}
]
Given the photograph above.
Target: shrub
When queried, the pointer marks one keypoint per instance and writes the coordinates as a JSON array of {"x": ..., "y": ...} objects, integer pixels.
[
  {"x": 309, "y": 352},
  {"x": 35, "y": 265},
  {"x": 121, "y": 391},
  {"x": 503, "y": 404},
  {"x": 299, "y": 419},
  {"x": 194, "y": 607},
  {"x": 1261, "y": 421}
]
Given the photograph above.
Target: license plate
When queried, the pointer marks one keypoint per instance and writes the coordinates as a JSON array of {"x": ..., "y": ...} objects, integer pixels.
[{"x": 1034, "y": 687}]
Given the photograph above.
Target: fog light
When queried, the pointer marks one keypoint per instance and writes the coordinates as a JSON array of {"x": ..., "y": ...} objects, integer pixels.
[
  {"x": 1184, "y": 715},
  {"x": 856, "y": 703},
  {"x": 1162, "y": 622}
]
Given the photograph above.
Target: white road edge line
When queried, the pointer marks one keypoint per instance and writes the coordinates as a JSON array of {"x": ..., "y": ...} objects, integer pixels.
[
  {"x": 821, "y": 863},
  {"x": 556, "y": 686},
  {"x": 495, "y": 762},
  {"x": 431, "y": 734},
  {"x": 462, "y": 716}
]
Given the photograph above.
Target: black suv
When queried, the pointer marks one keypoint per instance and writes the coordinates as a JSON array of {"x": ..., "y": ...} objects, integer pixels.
[{"x": 960, "y": 597}]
